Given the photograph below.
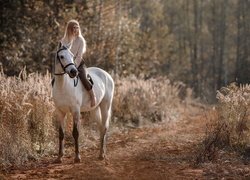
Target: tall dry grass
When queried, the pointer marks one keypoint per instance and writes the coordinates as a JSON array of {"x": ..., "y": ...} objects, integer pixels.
[
  {"x": 234, "y": 106},
  {"x": 138, "y": 101},
  {"x": 27, "y": 128},
  {"x": 229, "y": 124}
]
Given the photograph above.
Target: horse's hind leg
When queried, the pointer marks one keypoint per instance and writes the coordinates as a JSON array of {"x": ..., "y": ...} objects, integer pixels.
[
  {"x": 96, "y": 114},
  {"x": 75, "y": 133},
  {"x": 104, "y": 126},
  {"x": 60, "y": 119}
]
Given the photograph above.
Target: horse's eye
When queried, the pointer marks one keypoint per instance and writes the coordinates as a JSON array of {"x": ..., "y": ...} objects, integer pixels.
[{"x": 61, "y": 57}]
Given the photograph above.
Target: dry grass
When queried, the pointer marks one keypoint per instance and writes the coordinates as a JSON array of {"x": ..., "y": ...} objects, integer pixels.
[
  {"x": 27, "y": 129},
  {"x": 138, "y": 101},
  {"x": 229, "y": 124}
]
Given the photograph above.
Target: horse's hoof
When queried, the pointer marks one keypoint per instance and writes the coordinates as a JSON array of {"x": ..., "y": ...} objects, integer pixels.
[
  {"x": 58, "y": 160},
  {"x": 101, "y": 157},
  {"x": 77, "y": 160}
]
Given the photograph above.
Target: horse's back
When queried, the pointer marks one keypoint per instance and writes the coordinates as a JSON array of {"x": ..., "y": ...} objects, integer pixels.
[
  {"x": 99, "y": 72},
  {"x": 99, "y": 75}
]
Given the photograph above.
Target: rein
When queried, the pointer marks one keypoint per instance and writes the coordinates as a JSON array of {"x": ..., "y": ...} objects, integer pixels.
[{"x": 76, "y": 81}]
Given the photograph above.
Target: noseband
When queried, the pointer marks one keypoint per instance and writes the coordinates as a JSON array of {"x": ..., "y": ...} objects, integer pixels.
[{"x": 58, "y": 58}]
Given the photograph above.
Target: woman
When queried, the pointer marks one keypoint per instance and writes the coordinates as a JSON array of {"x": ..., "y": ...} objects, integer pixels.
[{"x": 74, "y": 38}]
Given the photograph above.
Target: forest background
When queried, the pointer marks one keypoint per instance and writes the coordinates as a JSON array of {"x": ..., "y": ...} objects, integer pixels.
[
  {"x": 203, "y": 43},
  {"x": 160, "y": 53}
]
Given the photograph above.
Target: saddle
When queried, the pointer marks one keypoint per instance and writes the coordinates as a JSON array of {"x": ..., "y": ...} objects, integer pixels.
[{"x": 89, "y": 78}]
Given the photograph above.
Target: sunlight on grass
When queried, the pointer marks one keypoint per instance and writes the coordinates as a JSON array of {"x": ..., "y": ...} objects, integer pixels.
[{"x": 27, "y": 127}]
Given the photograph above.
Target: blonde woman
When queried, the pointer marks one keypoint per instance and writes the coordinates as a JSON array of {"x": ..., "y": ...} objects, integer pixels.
[{"x": 74, "y": 39}]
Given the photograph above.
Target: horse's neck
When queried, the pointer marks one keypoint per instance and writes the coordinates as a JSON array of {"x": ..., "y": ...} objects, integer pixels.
[
  {"x": 65, "y": 83},
  {"x": 61, "y": 81},
  {"x": 58, "y": 69}
]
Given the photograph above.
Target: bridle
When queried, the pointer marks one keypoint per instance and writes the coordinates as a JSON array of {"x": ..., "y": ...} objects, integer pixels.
[
  {"x": 58, "y": 58},
  {"x": 64, "y": 67}
]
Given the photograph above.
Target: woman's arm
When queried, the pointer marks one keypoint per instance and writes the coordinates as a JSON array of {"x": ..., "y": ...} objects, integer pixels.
[{"x": 80, "y": 51}]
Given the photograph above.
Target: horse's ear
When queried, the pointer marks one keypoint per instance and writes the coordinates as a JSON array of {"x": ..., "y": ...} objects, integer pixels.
[
  {"x": 59, "y": 45},
  {"x": 67, "y": 45}
]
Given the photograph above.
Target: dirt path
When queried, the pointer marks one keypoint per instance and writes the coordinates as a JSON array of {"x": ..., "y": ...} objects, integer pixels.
[{"x": 162, "y": 151}]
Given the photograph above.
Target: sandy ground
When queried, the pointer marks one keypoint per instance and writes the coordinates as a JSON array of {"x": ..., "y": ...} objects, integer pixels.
[{"x": 166, "y": 150}]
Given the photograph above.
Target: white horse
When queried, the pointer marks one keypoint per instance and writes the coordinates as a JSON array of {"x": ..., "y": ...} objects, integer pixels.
[{"x": 69, "y": 95}]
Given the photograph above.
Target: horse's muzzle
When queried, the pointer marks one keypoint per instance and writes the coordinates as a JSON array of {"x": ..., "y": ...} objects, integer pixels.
[{"x": 73, "y": 73}]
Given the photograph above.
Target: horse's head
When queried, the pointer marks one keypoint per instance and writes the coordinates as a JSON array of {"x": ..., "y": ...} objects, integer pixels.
[{"x": 66, "y": 59}]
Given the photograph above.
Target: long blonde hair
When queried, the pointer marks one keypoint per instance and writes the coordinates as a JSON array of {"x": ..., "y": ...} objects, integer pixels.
[{"x": 68, "y": 34}]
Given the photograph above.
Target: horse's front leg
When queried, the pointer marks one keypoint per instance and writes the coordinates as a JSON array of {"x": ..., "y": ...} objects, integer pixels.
[
  {"x": 75, "y": 133},
  {"x": 60, "y": 116}
]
